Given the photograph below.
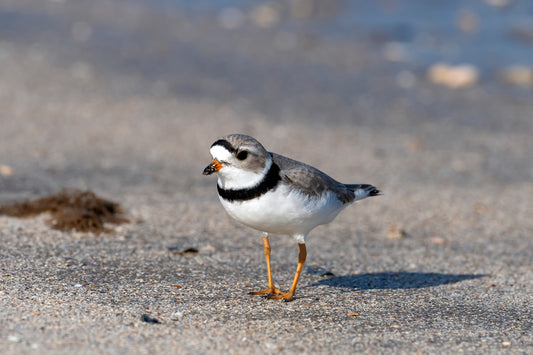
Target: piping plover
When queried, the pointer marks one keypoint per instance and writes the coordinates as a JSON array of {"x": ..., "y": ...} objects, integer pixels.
[{"x": 277, "y": 195}]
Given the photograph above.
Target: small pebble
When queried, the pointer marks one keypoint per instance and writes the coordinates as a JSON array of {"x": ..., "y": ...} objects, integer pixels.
[
  {"x": 177, "y": 316},
  {"x": 13, "y": 338},
  {"x": 327, "y": 274},
  {"x": 182, "y": 251},
  {"x": 147, "y": 319},
  {"x": 437, "y": 240},
  {"x": 394, "y": 232},
  {"x": 453, "y": 76},
  {"x": 270, "y": 345},
  {"x": 6, "y": 170}
]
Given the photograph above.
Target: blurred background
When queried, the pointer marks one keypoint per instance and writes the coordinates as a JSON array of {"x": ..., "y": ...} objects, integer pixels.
[
  {"x": 431, "y": 101},
  {"x": 102, "y": 88},
  {"x": 279, "y": 57}
]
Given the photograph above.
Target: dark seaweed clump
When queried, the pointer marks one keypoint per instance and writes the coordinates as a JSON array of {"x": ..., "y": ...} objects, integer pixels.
[{"x": 71, "y": 209}]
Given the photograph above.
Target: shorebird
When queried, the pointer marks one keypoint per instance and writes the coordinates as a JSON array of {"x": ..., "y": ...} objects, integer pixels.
[{"x": 277, "y": 195}]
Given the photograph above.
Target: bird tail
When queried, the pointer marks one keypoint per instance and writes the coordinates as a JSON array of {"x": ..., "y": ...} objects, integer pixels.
[{"x": 362, "y": 191}]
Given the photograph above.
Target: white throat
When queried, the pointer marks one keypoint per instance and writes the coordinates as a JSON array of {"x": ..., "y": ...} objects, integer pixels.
[{"x": 230, "y": 177}]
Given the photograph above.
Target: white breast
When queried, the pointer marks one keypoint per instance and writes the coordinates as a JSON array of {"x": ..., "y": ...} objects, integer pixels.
[{"x": 285, "y": 210}]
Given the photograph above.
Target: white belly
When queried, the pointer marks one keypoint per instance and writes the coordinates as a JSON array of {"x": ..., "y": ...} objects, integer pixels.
[{"x": 285, "y": 211}]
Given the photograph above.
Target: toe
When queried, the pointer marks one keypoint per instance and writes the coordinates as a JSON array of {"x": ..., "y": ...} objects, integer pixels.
[
  {"x": 287, "y": 297},
  {"x": 267, "y": 291}
]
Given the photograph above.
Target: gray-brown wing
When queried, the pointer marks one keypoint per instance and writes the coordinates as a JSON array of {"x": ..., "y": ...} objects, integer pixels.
[{"x": 310, "y": 180}]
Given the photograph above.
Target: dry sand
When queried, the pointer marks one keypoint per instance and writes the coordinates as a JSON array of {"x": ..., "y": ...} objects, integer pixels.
[{"x": 441, "y": 263}]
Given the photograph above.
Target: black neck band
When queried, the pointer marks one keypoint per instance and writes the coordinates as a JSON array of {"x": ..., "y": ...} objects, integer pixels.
[{"x": 270, "y": 181}]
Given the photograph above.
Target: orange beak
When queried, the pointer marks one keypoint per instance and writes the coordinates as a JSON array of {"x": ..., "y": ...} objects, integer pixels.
[{"x": 214, "y": 167}]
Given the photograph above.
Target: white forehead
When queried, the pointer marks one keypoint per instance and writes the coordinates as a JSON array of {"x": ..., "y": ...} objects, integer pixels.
[{"x": 220, "y": 153}]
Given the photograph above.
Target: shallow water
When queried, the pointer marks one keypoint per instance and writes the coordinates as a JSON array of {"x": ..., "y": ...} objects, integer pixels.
[
  {"x": 454, "y": 31},
  {"x": 348, "y": 62}
]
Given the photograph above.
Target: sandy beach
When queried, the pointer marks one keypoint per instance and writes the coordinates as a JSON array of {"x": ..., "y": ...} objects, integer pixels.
[{"x": 124, "y": 99}]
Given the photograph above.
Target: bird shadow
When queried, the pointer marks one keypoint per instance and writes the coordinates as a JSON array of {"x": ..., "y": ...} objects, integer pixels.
[{"x": 394, "y": 280}]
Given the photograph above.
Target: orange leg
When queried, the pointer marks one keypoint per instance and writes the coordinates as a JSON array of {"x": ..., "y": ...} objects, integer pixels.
[
  {"x": 288, "y": 296},
  {"x": 271, "y": 288}
]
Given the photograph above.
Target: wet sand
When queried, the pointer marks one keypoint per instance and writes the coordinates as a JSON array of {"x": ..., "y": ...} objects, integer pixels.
[{"x": 441, "y": 263}]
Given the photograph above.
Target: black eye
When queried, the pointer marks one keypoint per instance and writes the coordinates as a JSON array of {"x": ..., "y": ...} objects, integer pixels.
[{"x": 242, "y": 155}]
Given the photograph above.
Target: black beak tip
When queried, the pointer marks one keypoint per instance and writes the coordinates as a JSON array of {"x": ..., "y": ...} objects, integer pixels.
[{"x": 208, "y": 170}]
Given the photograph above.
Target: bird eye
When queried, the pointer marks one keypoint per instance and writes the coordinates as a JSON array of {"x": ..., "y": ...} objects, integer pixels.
[{"x": 242, "y": 155}]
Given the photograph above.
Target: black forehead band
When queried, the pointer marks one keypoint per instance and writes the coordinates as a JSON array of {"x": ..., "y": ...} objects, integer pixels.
[{"x": 224, "y": 143}]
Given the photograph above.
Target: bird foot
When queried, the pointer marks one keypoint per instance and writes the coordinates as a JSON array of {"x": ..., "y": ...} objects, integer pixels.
[
  {"x": 285, "y": 296},
  {"x": 267, "y": 291},
  {"x": 273, "y": 293}
]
